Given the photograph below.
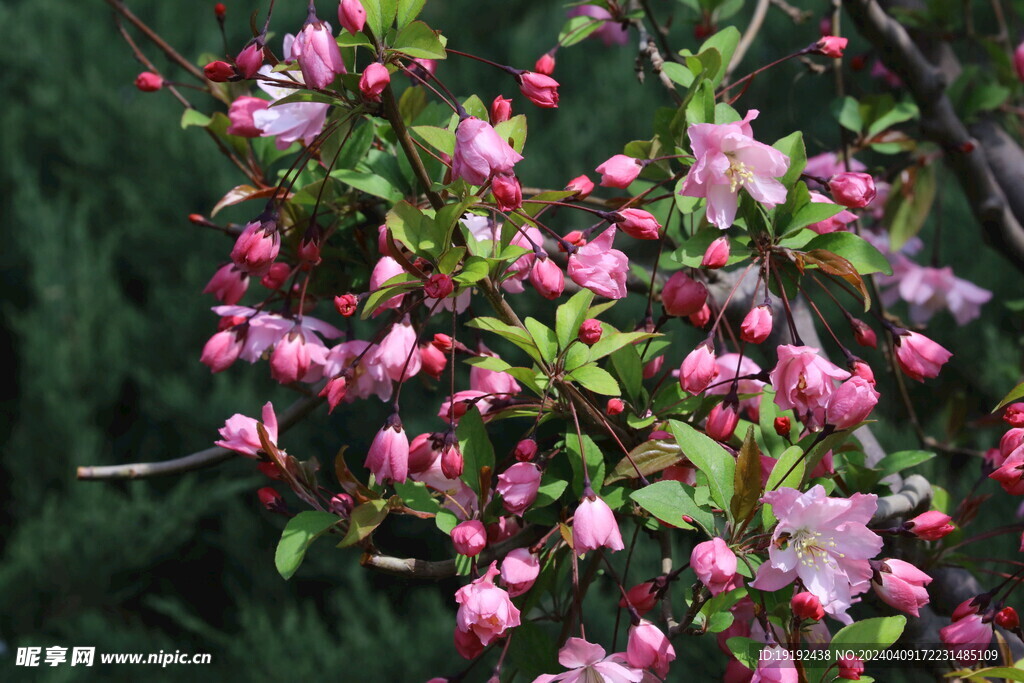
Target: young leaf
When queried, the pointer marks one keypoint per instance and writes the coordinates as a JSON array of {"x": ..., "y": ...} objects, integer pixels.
[
  {"x": 477, "y": 451},
  {"x": 571, "y": 315},
  {"x": 298, "y": 535},
  {"x": 880, "y": 631},
  {"x": 669, "y": 501},
  {"x": 595, "y": 379}
]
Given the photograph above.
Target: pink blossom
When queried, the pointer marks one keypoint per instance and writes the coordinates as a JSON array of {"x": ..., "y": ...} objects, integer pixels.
[
  {"x": 484, "y": 609},
  {"x": 649, "y": 648},
  {"x": 851, "y": 403},
  {"x": 240, "y": 114},
  {"x": 920, "y": 357},
  {"x": 458, "y": 496},
  {"x": 470, "y": 538},
  {"x": 880, "y": 71},
  {"x": 757, "y": 324},
  {"x": 525, "y": 450},
  {"x": 836, "y": 222},
  {"x": 540, "y": 89},
  {"x": 774, "y": 667},
  {"x": 373, "y": 81},
  {"x": 610, "y": 33},
  {"x": 257, "y": 247},
  {"x": 928, "y": 290},
  {"x": 388, "y": 457},
  {"x": 508, "y": 193},
  {"x": 855, "y": 190},
  {"x": 1010, "y": 474},
  {"x": 295, "y": 121},
  {"x": 250, "y": 59},
  {"x": 239, "y": 432},
  {"x": 823, "y": 542},
  {"x": 715, "y": 565},
  {"x": 518, "y": 486},
  {"x": 545, "y": 64},
  {"x": 968, "y": 634},
  {"x": 432, "y": 360},
  {"x": 501, "y": 110},
  {"x": 807, "y": 606},
  {"x": 492, "y": 381},
  {"x": 318, "y": 55},
  {"x": 456, "y": 405},
  {"x": 228, "y": 284},
  {"x": 519, "y": 570},
  {"x": 367, "y": 378},
  {"x": 266, "y": 329},
  {"x": 643, "y": 597},
  {"x": 717, "y": 254},
  {"x": 334, "y": 391},
  {"x": 722, "y": 421},
  {"x": 222, "y": 350},
  {"x": 292, "y": 357},
  {"x": 682, "y": 295},
  {"x": 698, "y": 369},
  {"x": 619, "y": 171},
  {"x": 728, "y": 159},
  {"x": 396, "y": 352},
  {"x": 930, "y": 526},
  {"x": 581, "y": 185},
  {"x": 599, "y": 267},
  {"x": 1010, "y": 441},
  {"x": 832, "y": 46},
  {"x": 481, "y": 152},
  {"x": 351, "y": 16},
  {"x": 901, "y": 585},
  {"x": 594, "y": 526},
  {"x": 149, "y": 82},
  {"x": 639, "y": 224},
  {"x": 587, "y": 662},
  {"x": 385, "y": 269},
  {"x": 803, "y": 382}
]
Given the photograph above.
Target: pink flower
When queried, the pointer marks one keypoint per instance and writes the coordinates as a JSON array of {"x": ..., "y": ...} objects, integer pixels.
[
  {"x": 318, "y": 54},
  {"x": 241, "y": 112},
  {"x": 901, "y": 585},
  {"x": 519, "y": 570},
  {"x": 296, "y": 121},
  {"x": 729, "y": 158},
  {"x": 385, "y": 269},
  {"x": 851, "y": 403},
  {"x": 648, "y": 648},
  {"x": 774, "y": 668},
  {"x": 587, "y": 662},
  {"x": 291, "y": 358},
  {"x": 222, "y": 350},
  {"x": 619, "y": 171},
  {"x": 715, "y": 565},
  {"x": 822, "y": 541},
  {"x": 643, "y": 597},
  {"x": 470, "y": 538},
  {"x": 481, "y": 152},
  {"x": 850, "y": 668},
  {"x": 501, "y": 110},
  {"x": 396, "y": 353},
  {"x": 855, "y": 190},
  {"x": 863, "y": 334},
  {"x": 148, "y": 82},
  {"x": 611, "y": 32},
  {"x": 518, "y": 486},
  {"x": 540, "y": 89},
  {"x": 492, "y": 381},
  {"x": 803, "y": 381},
  {"x": 373, "y": 81},
  {"x": 639, "y": 224},
  {"x": 920, "y": 357},
  {"x": 368, "y": 378},
  {"x": 484, "y": 609},
  {"x": 432, "y": 360},
  {"x": 682, "y": 295},
  {"x": 525, "y": 450},
  {"x": 967, "y": 635},
  {"x": 930, "y": 526},
  {"x": 928, "y": 290},
  {"x": 1010, "y": 441},
  {"x": 757, "y": 324},
  {"x": 722, "y": 421},
  {"x": 599, "y": 267},
  {"x": 239, "y": 432},
  {"x": 594, "y": 526},
  {"x": 508, "y": 193},
  {"x": 228, "y": 284},
  {"x": 698, "y": 369},
  {"x": 581, "y": 185},
  {"x": 837, "y": 222},
  {"x": 351, "y": 16},
  {"x": 219, "y": 71},
  {"x": 257, "y": 247},
  {"x": 250, "y": 59},
  {"x": 832, "y": 46},
  {"x": 388, "y": 457},
  {"x": 731, "y": 365},
  {"x": 717, "y": 254},
  {"x": 1013, "y": 415},
  {"x": 807, "y": 606},
  {"x": 1010, "y": 474},
  {"x": 545, "y": 64}
]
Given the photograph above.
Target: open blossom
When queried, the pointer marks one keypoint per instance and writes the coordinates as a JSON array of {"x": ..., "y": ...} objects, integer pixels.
[
  {"x": 267, "y": 329},
  {"x": 599, "y": 267},
  {"x": 649, "y": 648},
  {"x": 803, "y": 381},
  {"x": 715, "y": 565},
  {"x": 518, "y": 486},
  {"x": 901, "y": 585},
  {"x": 610, "y": 33},
  {"x": 240, "y": 114},
  {"x": 519, "y": 570},
  {"x": 492, "y": 381},
  {"x": 367, "y": 378},
  {"x": 822, "y": 541},
  {"x": 481, "y": 152},
  {"x": 318, "y": 55},
  {"x": 587, "y": 663},
  {"x": 929, "y": 290},
  {"x": 728, "y": 159},
  {"x": 239, "y": 432},
  {"x": 851, "y": 403},
  {"x": 292, "y": 122},
  {"x": 485, "y": 610},
  {"x": 293, "y": 357},
  {"x": 619, "y": 171},
  {"x": 920, "y": 357},
  {"x": 594, "y": 526}
]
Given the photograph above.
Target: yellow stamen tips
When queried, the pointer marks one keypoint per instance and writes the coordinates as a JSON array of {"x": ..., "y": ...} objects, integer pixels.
[{"x": 738, "y": 175}]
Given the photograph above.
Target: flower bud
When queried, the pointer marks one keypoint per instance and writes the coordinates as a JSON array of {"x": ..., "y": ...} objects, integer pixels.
[
  {"x": 540, "y": 89},
  {"x": 438, "y": 286},
  {"x": 342, "y": 504},
  {"x": 220, "y": 11},
  {"x": 257, "y": 247},
  {"x": 272, "y": 500},
  {"x": 519, "y": 570},
  {"x": 1007, "y": 618},
  {"x": 698, "y": 369},
  {"x": 901, "y": 585},
  {"x": 920, "y": 357},
  {"x": 853, "y": 190},
  {"x": 717, "y": 253},
  {"x": 930, "y": 526},
  {"x": 508, "y": 193},
  {"x": 701, "y": 318},
  {"x": 594, "y": 526},
  {"x": 851, "y": 403},
  {"x": 615, "y": 407},
  {"x": 807, "y": 606},
  {"x": 547, "y": 278},
  {"x": 653, "y": 366},
  {"x": 639, "y": 224},
  {"x": 443, "y": 342},
  {"x": 219, "y": 72},
  {"x": 222, "y": 350},
  {"x": 148, "y": 82},
  {"x": 590, "y": 331},
  {"x": 619, "y": 171},
  {"x": 643, "y": 597},
  {"x": 582, "y": 186},
  {"x": 782, "y": 426},
  {"x": 1018, "y": 61},
  {"x": 351, "y": 16},
  {"x": 1014, "y": 415},
  {"x": 861, "y": 369},
  {"x": 452, "y": 462},
  {"x": 250, "y": 59},
  {"x": 318, "y": 55},
  {"x": 831, "y": 46},
  {"x": 682, "y": 295},
  {"x": 334, "y": 391},
  {"x": 757, "y": 325},
  {"x": 346, "y": 304},
  {"x": 850, "y": 668},
  {"x": 277, "y": 275},
  {"x": 470, "y": 538},
  {"x": 373, "y": 81},
  {"x": 526, "y": 450},
  {"x": 715, "y": 564},
  {"x": 501, "y": 110},
  {"x": 388, "y": 457},
  {"x": 863, "y": 334},
  {"x": 649, "y": 648},
  {"x": 545, "y": 64},
  {"x": 433, "y": 360},
  {"x": 722, "y": 421},
  {"x": 228, "y": 284}
]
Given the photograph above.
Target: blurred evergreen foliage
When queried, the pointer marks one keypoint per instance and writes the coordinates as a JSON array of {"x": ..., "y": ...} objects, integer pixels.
[{"x": 103, "y": 321}]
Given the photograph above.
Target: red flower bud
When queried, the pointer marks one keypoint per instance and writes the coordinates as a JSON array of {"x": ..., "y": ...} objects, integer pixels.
[
  {"x": 148, "y": 82},
  {"x": 438, "y": 286},
  {"x": 1014, "y": 415},
  {"x": 782, "y": 426},
  {"x": 1007, "y": 618},
  {"x": 590, "y": 331},
  {"x": 717, "y": 253},
  {"x": 701, "y": 318},
  {"x": 930, "y": 526},
  {"x": 342, "y": 504},
  {"x": 863, "y": 333},
  {"x": 545, "y": 64},
  {"x": 219, "y": 71},
  {"x": 346, "y": 304},
  {"x": 615, "y": 406},
  {"x": 540, "y": 89},
  {"x": 451, "y": 461},
  {"x": 443, "y": 342},
  {"x": 807, "y": 606},
  {"x": 831, "y": 46},
  {"x": 525, "y": 450},
  {"x": 276, "y": 276},
  {"x": 501, "y": 110},
  {"x": 582, "y": 186},
  {"x": 334, "y": 391},
  {"x": 507, "y": 192},
  {"x": 271, "y": 499},
  {"x": 219, "y": 10}
]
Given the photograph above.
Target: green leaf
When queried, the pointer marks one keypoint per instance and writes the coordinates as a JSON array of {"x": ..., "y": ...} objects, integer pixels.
[
  {"x": 725, "y": 42},
  {"x": 793, "y": 147},
  {"x": 595, "y": 379},
  {"x": 799, "y": 211},
  {"x": 298, "y": 535},
  {"x": 550, "y": 490},
  {"x": 194, "y": 117},
  {"x": 670, "y": 500},
  {"x": 571, "y": 315},
  {"x": 747, "y": 479},
  {"x": 380, "y": 14},
  {"x": 612, "y": 342},
  {"x": 407, "y": 11},
  {"x": 677, "y": 73},
  {"x": 516, "y": 335},
  {"x": 710, "y": 458},
  {"x": 440, "y": 139},
  {"x": 902, "y": 111},
  {"x": 701, "y": 107},
  {"x": 1003, "y": 672},
  {"x": 880, "y": 631},
  {"x": 629, "y": 370},
  {"x": 416, "y": 495},
  {"x": 513, "y": 131},
  {"x": 446, "y": 520},
  {"x": 847, "y": 113},
  {"x": 420, "y": 41},
  {"x": 534, "y": 650},
  {"x": 746, "y": 650},
  {"x": 477, "y": 451},
  {"x": 858, "y": 251},
  {"x": 909, "y": 203},
  {"x": 368, "y": 183},
  {"x": 595, "y": 462},
  {"x": 363, "y": 520},
  {"x": 1015, "y": 394},
  {"x": 649, "y": 457},
  {"x": 767, "y": 413},
  {"x": 544, "y": 338},
  {"x": 788, "y": 470},
  {"x": 901, "y": 460},
  {"x": 577, "y": 29}
]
